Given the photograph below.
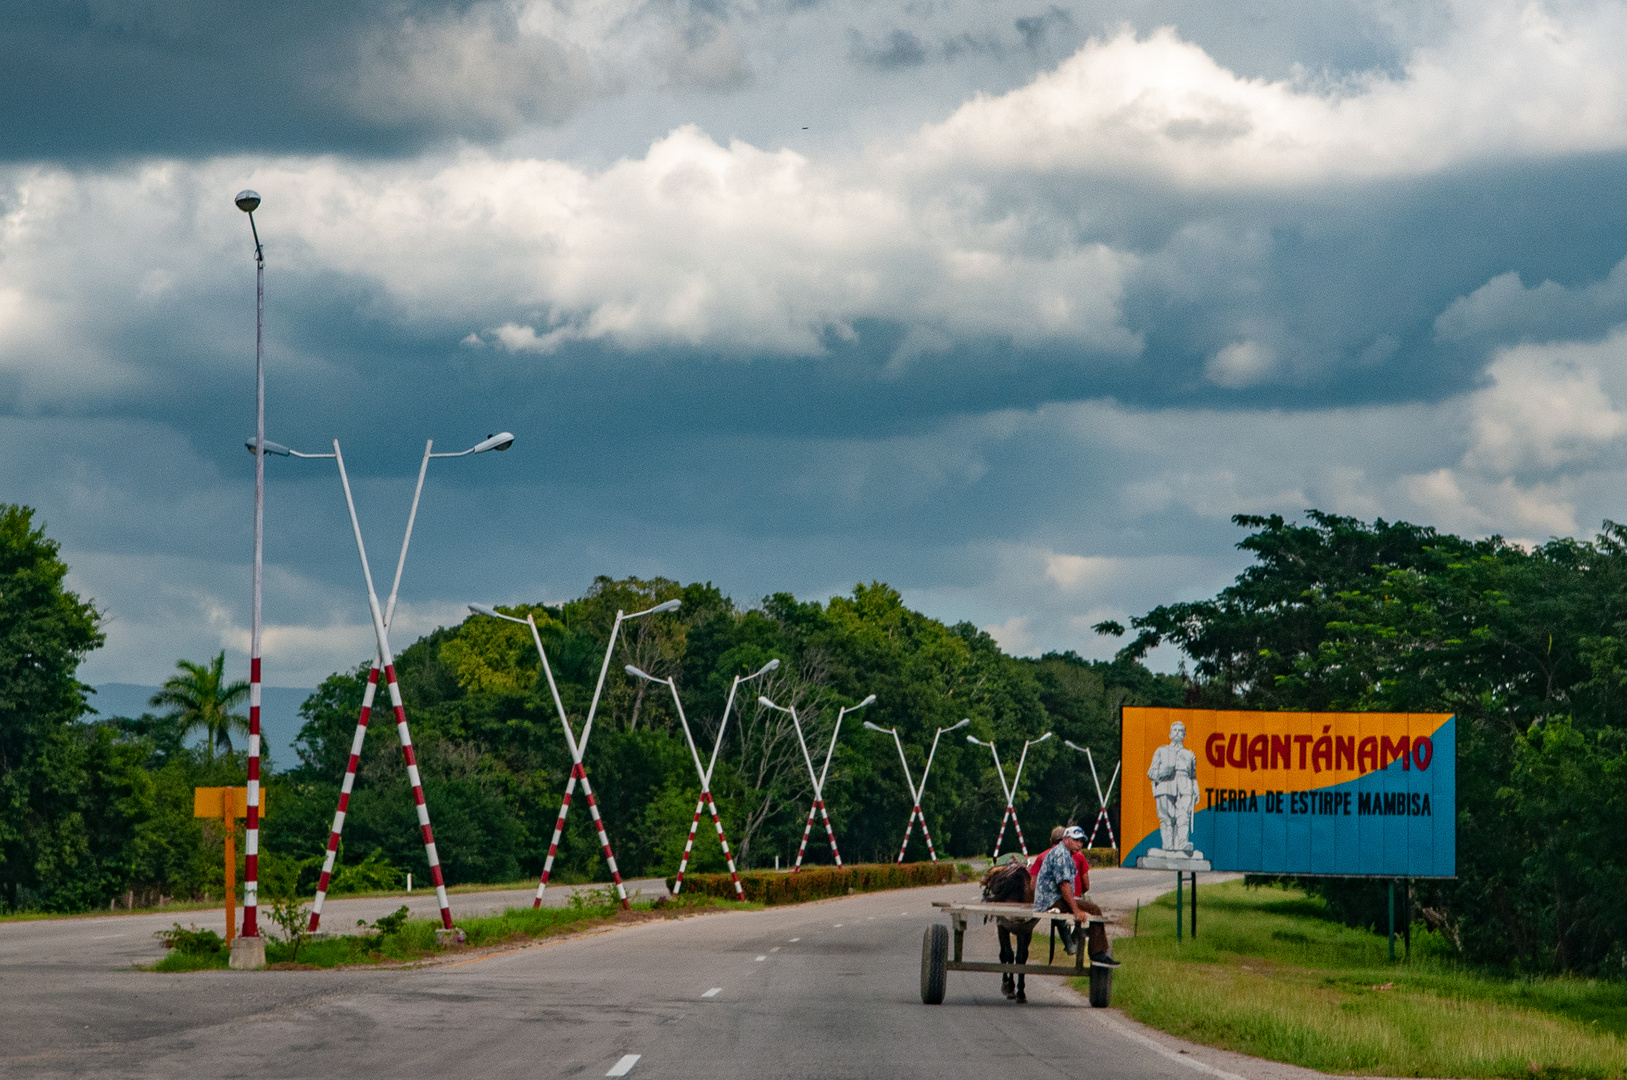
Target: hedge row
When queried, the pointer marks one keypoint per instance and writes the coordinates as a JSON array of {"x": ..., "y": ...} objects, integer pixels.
[
  {"x": 1102, "y": 856},
  {"x": 816, "y": 882}
]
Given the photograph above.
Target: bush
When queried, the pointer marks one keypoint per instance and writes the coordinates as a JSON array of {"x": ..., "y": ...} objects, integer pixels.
[
  {"x": 193, "y": 942},
  {"x": 1102, "y": 856},
  {"x": 817, "y": 882}
]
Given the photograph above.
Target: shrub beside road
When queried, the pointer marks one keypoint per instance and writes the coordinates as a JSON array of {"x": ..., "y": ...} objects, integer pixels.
[
  {"x": 1274, "y": 975},
  {"x": 818, "y": 882}
]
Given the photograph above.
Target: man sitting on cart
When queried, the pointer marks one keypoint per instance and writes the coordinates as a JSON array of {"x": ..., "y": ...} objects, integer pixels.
[{"x": 1054, "y": 890}]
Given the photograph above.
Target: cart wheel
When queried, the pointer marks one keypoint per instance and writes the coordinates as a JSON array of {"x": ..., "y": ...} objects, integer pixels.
[
  {"x": 934, "y": 957},
  {"x": 1101, "y": 987}
]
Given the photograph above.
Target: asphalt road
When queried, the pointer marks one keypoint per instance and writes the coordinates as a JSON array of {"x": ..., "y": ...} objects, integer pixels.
[{"x": 822, "y": 990}]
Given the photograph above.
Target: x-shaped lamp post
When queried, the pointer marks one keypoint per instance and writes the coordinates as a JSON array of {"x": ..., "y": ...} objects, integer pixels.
[
  {"x": 1010, "y": 789},
  {"x": 706, "y": 800},
  {"x": 916, "y": 792},
  {"x": 818, "y": 781},
  {"x": 1101, "y": 817}
]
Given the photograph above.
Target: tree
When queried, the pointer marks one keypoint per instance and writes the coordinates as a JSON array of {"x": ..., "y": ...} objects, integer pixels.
[
  {"x": 45, "y": 631},
  {"x": 200, "y": 699}
]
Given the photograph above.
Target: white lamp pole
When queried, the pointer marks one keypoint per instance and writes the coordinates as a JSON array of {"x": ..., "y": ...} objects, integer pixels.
[
  {"x": 1101, "y": 816},
  {"x": 249, "y": 201},
  {"x": 818, "y": 781},
  {"x": 1010, "y": 790},
  {"x": 579, "y": 746},
  {"x": 705, "y": 775},
  {"x": 917, "y": 792}
]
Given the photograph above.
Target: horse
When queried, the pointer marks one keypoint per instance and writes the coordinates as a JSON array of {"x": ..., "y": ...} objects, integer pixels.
[{"x": 1010, "y": 882}]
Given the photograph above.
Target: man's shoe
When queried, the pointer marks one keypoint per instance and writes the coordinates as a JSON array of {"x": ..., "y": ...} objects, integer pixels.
[{"x": 1102, "y": 959}]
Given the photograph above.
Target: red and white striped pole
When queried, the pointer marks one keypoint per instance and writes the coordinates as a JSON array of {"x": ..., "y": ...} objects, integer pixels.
[
  {"x": 807, "y": 828},
  {"x": 819, "y": 780},
  {"x": 344, "y": 795},
  {"x": 383, "y": 643},
  {"x": 830, "y": 834},
  {"x": 689, "y": 844},
  {"x": 248, "y": 202}
]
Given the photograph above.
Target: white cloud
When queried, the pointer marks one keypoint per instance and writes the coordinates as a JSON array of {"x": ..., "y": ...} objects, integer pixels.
[
  {"x": 1513, "y": 78},
  {"x": 1547, "y": 405},
  {"x": 1240, "y": 364}
]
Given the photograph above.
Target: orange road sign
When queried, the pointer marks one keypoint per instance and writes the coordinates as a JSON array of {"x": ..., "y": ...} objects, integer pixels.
[{"x": 226, "y": 804}]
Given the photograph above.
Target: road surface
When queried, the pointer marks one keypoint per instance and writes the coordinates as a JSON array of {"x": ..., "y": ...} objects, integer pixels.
[{"x": 825, "y": 990}]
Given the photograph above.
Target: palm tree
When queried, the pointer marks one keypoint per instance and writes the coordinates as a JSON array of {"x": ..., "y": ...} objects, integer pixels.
[{"x": 197, "y": 699}]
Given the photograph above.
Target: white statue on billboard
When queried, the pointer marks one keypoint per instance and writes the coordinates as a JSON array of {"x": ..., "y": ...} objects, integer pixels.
[{"x": 1174, "y": 776}]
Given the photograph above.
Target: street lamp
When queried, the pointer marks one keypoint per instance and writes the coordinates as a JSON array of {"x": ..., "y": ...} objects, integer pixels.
[
  {"x": 248, "y": 202},
  {"x": 916, "y": 792},
  {"x": 1101, "y": 816},
  {"x": 818, "y": 781},
  {"x": 491, "y": 442},
  {"x": 1011, "y": 790},
  {"x": 706, "y": 800},
  {"x": 579, "y": 746}
]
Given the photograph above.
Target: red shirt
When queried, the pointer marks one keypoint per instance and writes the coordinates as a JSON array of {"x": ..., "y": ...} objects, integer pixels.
[{"x": 1081, "y": 884}]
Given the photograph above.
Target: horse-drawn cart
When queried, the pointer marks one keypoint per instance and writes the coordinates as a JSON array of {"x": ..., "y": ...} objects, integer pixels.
[{"x": 936, "y": 962}]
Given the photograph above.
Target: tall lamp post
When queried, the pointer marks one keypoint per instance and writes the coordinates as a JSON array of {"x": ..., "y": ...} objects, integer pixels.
[
  {"x": 917, "y": 792},
  {"x": 705, "y": 774},
  {"x": 1010, "y": 789},
  {"x": 253, "y": 951}
]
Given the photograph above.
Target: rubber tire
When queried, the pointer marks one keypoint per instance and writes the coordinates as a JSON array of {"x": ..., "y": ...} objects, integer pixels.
[
  {"x": 934, "y": 958},
  {"x": 1101, "y": 987}
]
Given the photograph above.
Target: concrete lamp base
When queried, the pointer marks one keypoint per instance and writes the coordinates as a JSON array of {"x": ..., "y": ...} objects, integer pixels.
[
  {"x": 453, "y": 936},
  {"x": 248, "y": 953}
]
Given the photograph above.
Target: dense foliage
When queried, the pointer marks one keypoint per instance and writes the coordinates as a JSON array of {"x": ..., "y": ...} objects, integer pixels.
[{"x": 1528, "y": 646}]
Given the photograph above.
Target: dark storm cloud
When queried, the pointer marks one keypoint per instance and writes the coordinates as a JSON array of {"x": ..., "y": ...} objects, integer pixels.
[{"x": 92, "y": 80}]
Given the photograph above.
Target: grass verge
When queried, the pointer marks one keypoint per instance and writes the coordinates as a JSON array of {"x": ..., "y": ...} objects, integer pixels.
[
  {"x": 415, "y": 939},
  {"x": 1271, "y": 974}
]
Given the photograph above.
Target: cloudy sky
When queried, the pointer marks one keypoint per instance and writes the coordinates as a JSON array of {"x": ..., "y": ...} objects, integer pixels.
[{"x": 1009, "y": 303}]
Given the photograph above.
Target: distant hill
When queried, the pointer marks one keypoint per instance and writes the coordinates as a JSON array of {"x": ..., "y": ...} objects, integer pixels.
[{"x": 279, "y": 713}]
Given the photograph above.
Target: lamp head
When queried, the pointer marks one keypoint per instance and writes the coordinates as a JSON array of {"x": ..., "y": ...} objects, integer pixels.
[
  {"x": 871, "y": 700},
  {"x": 874, "y": 727},
  {"x": 482, "y": 609},
  {"x": 271, "y": 448},
  {"x": 638, "y": 674},
  {"x": 975, "y": 739},
  {"x": 762, "y": 699},
  {"x": 1042, "y": 738},
  {"x": 772, "y": 665},
  {"x": 960, "y": 725},
  {"x": 501, "y": 441},
  {"x": 247, "y": 201},
  {"x": 670, "y": 605}
]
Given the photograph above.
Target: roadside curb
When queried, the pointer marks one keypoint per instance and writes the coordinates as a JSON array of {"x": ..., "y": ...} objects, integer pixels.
[{"x": 1208, "y": 1060}]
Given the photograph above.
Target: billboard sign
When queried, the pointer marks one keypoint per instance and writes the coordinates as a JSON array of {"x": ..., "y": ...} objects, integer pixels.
[{"x": 1362, "y": 794}]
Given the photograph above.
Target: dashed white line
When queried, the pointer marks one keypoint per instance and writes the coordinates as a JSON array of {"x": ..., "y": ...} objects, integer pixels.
[
  {"x": 624, "y": 1066},
  {"x": 105, "y": 937},
  {"x": 838, "y": 926},
  {"x": 775, "y": 949},
  {"x": 795, "y": 939},
  {"x": 713, "y": 992},
  {"x": 762, "y": 958}
]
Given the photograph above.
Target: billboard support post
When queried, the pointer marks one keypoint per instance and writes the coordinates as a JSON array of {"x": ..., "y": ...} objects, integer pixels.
[
  {"x": 1392, "y": 920},
  {"x": 1194, "y": 905},
  {"x": 1180, "y": 876}
]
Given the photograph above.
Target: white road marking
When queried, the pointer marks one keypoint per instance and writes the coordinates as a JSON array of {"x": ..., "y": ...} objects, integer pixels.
[
  {"x": 762, "y": 958},
  {"x": 105, "y": 937},
  {"x": 796, "y": 939},
  {"x": 775, "y": 949},
  {"x": 838, "y": 926},
  {"x": 713, "y": 992},
  {"x": 624, "y": 1066}
]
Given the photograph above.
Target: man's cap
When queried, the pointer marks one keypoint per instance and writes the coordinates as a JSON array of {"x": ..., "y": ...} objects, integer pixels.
[{"x": 1073, "y": 832}]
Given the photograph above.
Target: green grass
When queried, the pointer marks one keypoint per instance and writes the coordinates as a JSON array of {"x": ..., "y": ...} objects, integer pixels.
[
  {"x": 1272, "y": 975},
  {"x": 416, "y": 940}
]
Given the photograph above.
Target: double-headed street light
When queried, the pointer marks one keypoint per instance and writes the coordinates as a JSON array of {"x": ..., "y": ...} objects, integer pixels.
[
  {"x": 706, "y": 800},
  {"x": 1010, "y": 789},
  {"x": 1101, "y": 816},
  {"x": 819, "y": 780},
  {"x": 383, "y": 663},
  {"x": 916, "y": 792},
  {"x": 579, "y": 745}
]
